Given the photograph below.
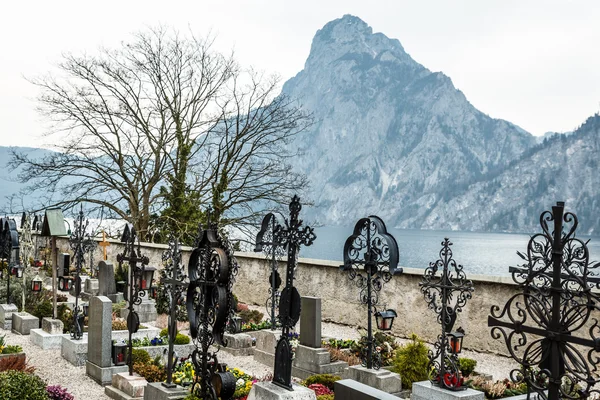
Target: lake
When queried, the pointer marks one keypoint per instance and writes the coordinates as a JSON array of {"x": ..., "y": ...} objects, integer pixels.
[{"x": 479, "y": 253}]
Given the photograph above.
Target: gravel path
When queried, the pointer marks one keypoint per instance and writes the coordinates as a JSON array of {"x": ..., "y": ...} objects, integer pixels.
[{"x": 55, "y": 370}]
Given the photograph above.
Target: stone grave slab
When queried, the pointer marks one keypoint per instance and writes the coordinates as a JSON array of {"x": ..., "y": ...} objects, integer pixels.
[
  {"x": 270, "y": 391},
  {"x": 239, "y": 344},
  {"x": 156, "y": 391},
  {"x": 23, "y": 322},
  {"x": 381, "y": 379},
  {"x": 146, "y": 311},
  {"x": 310, "y": 361},
  {"x": 349, "y": 389},
  {"x": 75, "y": 351},
  {"x": 6, "y": 311},
  {"x": 426, "y": 391},
  {"x": 126, "y": 387},
  {"x": 50, "y": 336},
  {"x": 266, "y": 341},
  {"x": 90, "y": 289}
]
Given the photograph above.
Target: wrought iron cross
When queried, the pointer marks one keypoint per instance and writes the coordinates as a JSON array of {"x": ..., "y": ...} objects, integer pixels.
[
  {"x": 135, "y": 292},
  {"x": 373, "y": 248},
  {"x": 265, "y": 242},
  {"x": 446, "y": 295},
  {"x": 291, "y": 237},
  {"x": 556, "y": 282}
]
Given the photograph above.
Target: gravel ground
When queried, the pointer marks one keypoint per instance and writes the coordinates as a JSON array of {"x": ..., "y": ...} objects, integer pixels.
[{"x": 57, "y": 371}]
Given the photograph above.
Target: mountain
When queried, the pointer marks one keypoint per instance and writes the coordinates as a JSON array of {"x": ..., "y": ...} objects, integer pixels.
[
  {"x": 563, "y": 168},
  {"x": 391, "y": 137}
]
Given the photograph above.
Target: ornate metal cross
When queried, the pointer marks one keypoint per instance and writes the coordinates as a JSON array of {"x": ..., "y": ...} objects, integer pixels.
[
  {"x": 373, "y": 248},
  {"x": 9, "y": 246},
  {"x": 291, "y": 237},
  {"x": 556, "y": 283},
  {"x": 265, "y": 242},
  {"x": 446, "y": 295},
  {"x": 134, "y": 278},
  {"x": 104, "y": 244},
  {"x": 174, "y": 286},
  {"x": 211, "y": 272}
]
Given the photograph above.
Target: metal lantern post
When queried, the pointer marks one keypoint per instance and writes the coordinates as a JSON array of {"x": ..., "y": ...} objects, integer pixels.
[
  {"x": 137, "y": 264},
  {"x": 211, "y": 272},
  {"x": 446, "y": 294},
  {"x": 556, "y": 285},
  {"x": 265, "y": 242},
  {"x": 10, "y": 249},
  {"x": 290, "y": 236},
  {"x": 373, "y": 248},
  {"x": 81, "y": 244},
  {"x": 174, "y": 286}
]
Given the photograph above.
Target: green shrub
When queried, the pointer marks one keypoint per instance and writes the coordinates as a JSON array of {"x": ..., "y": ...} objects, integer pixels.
[
  {"x": 64, "y": 313},
  {"x": 44, "y": 309},
  {"x": 12, "y": 349},
  {"x": 467, "y": 366},
  {"x": 181, "y": 339},
  {"x": 323, "y": 379},
  {"x": 411, "y": 362},
  {"x": 326, "y": 397},
  {"x": 164, "y": 332},
  {"x": 17, "y": 385},
  {"x": 140, "y": 356}
]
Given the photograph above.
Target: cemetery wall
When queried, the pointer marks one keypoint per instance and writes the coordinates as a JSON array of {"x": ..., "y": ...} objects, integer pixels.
[{"x": 340, "y": 296}]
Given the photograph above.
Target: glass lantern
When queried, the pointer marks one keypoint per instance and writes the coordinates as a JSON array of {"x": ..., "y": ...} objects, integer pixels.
[{"x": 385, "y": 319}]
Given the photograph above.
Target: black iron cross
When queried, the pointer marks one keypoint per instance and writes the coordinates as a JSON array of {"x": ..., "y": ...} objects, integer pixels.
[
  {"x": 557, "y": 295},
  {"x": 291, "y": 237},
  {"x": 446, "y": 296}
]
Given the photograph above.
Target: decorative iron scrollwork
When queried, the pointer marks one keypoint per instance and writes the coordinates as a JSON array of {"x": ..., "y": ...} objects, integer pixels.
[
  {"x": 446, "y": 294},
  {"x": 290, "y": 236},
  {"x": 211, "y": 271},
  {"x": 538, "y": 325},
  {"x": 9, "y": 246},
  {"x": 371, "y": 259}
]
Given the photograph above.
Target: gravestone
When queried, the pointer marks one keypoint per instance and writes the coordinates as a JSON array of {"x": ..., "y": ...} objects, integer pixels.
[
  {"x": 125, "y": 386},
  {"x": 381, "y": 379},
  {"x": 64, "y": 262},
  {"x": 50, "y": 335},
  {"x": 23, "y": 322},
  {"x": 426, "y": 391},
  {"x": 270, "y": 391},
  {"x": 99, "y": 363},
  {"x": 6, "y": 312},
  {"x": 106, "y": 282},
  {"x": 157, "y": 391},
  {"x": 311, "y": 358},
  {"x": 348, "y": 389},
  {"x": 264, "y": 351}
]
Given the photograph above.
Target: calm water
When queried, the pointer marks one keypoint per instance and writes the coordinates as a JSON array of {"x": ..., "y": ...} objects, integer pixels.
[{"x": 479, "y": 253}]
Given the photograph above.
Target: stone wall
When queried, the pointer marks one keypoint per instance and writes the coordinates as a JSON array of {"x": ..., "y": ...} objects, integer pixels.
[{"x": 340, "y": 301}]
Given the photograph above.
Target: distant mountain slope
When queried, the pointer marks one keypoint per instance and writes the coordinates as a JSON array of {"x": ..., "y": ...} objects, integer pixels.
[
  {"x": 391, "y": 137},
  {"x": 563, "y": 168}
]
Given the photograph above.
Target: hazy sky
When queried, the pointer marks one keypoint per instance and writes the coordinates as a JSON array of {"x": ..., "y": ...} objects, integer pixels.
[{"x": 534, "y": 63}]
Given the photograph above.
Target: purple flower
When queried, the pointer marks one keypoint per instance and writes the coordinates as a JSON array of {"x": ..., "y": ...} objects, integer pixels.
[{"x": 56, "y": 392}]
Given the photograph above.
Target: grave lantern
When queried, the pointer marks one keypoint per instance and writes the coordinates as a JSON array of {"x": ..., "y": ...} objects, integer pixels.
[
  {"x": 385, "y": 319},
  {"x": 455, "y": 340},
  {"x": 237, "y": 324},
  {"x": 17, "y": 270},
  {"x": 119, "y": 353},
  {"x": 152, "y": 292},
  {"x": 62, "y": 283},
  {"x": 85, "y": 307},
  {"x": 36, "y": 284},
  {"x": 146, "y": 278}
]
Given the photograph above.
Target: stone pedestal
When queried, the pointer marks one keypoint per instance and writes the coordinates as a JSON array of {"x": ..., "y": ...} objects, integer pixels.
[
  {"x": 23, "y": 322},
  {"x": 6, "y": 311},
  {"x": 99, "y": 364},
  {"x": 310, "y": 361},
  {"x": 426, "y": 391},
  {"x": 146, "y": 311},
  {"x": 266, "y": 341},
  {"x": 90, "y": 289},
  {"x": 75, "y": 351},
  {"x": 238, "y": 344},
  {"x": 50, "y": 336},
  {"x": 156, "y": 391},
  {"x": 270, "y": 391},
  {"x": 126, "y": 387},
  {"x": 116, "y": 298},
  {"x": 381, "y": 379},
  {"x": 349, "y": 389}
]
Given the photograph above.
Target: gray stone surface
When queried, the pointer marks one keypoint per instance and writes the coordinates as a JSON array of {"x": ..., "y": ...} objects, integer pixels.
[
  {"x": 6, "y": 311},
  {"x": 149, "y": 332},
  {"x": 106, "y": 279},
  {"x": 75, "y": 351},
  {"x": 146, "y": 311},
  {"x": 156, "y": 391},
  {"x": 349, "y": 389},
  {"x": 238, "y": 344},
  {"x": 23, "y": 322},
  {"x": 266, "y": 340},
  {"x": 182, "y": 350},
  {"x": 270, "y": 391},
  {"x": 129, "y": 385},
  {"x": 52, "y": 326},
  {"x": 116, "y": 394},
  {"x": 91, "y": 287},
  {"x": 116, "y": 298},
  {"x": 310, "y": 322},
  {"x": 46, "y": 340},
  {"x": 100, "y": 331},
  {"x": 101, "y": 375},
  {"x": 381, "y": 379},
  {"x": 310, "y": 361},
  {"x": 426, "y": 391}
]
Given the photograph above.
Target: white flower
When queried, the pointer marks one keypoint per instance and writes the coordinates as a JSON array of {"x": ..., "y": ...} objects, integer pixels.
[{"x": 240, "y": 383}]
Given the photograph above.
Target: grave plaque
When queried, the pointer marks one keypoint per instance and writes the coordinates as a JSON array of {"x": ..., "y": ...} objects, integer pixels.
[{"x": 310, "y": 322}]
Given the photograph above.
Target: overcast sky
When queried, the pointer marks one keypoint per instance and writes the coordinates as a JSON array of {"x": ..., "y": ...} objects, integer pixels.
[{"x": 534, "y": 63}]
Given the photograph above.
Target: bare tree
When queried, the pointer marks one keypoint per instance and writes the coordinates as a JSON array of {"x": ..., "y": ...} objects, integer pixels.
[{"x": 162, "y": 126}]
